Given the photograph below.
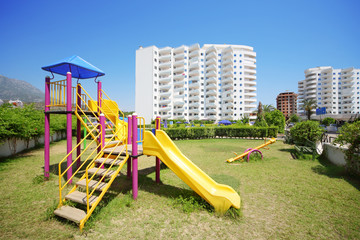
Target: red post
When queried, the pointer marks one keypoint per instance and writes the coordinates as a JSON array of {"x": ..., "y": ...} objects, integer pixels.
[
  {"x": 78, "y": 125},
  {"x": 128, "y": 174},
  {"x": 69, "y": 123},
  {"x": 134, "y": 154},
  {"x": 157, "y": 173},
  {"x": 47, "y": 129}
]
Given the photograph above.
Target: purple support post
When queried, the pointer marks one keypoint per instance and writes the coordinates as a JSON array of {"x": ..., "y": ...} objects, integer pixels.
[
  {"x": 134, "y": 154},
  {"x": 129, "y": 142},
  {"x": 102, "y": 125},
  {"x": 69, "y": 123},
  {"x": 47, "y": 129},
  {"x": 157, "y": 173},
  {"x": 78, "y": 125},
  {"x": 99, "y": 100}
]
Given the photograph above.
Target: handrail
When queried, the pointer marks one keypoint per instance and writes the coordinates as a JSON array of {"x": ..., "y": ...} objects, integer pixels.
[
  {"x": 88, "y": 195},
  {"x": 62, "y": 174},
  {"x": 141, "y": 126},
  {"x": 57, "y": 93}
]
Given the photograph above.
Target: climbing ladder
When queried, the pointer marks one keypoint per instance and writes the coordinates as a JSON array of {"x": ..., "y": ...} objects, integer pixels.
[{"x": 101, "y": 163}]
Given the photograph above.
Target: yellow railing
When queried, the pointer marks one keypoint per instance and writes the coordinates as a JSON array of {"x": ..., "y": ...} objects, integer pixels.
[
  {"x": 57, "y": 93},
  {"x": 61, "y": 174},
  {"x": 142, "y": 129}
]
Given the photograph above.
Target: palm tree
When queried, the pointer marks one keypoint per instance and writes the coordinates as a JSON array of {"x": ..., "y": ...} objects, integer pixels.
[
  {"x": 268, "y": 108},
  {"x": 309, "y": 105}
]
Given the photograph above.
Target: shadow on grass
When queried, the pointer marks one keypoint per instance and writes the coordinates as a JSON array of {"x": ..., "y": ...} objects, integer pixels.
[
  {"x": 331, "y": 170},
  {"x": 20, "y": 155}
]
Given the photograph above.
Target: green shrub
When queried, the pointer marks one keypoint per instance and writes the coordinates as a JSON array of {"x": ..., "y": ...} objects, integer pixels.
[
  {"x": 294, "y": 118},
  {"x": 276, "y": 118},
  {"x": 304, "y": 131},
  {"x": 328, "y": 120},
  {"x": 350, "y": 134}
]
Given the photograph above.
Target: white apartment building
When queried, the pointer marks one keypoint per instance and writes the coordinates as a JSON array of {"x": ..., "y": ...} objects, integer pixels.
[
  {"x": 336, "y": 89},
  {"x": 212, "y": 82}
]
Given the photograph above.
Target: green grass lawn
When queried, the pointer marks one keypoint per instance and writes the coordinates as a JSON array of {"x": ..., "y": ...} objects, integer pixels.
[{"x": 281, "y": 198}]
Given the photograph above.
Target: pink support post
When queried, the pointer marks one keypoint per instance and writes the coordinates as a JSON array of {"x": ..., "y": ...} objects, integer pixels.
[
  {"x": 78, "y": 126},
  {"x": 47, "y": 129},
  {"x": 129, "y": 142},
  {"x": 157, "y": 173},
  {"x": 134, "y": 154},
  {"x": 99, "y": 100},
  {"x": 102, "y": 125},
  {"x": 69, "y": 123}
]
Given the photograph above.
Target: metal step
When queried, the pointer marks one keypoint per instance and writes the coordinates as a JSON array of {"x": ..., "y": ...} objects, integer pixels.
[
  {"x": 101, "y": 172},
  {"x": 70, "y": 213},
  {"x": 117, "y": 150},
  {"x": 80, "y": 197},
  {"x": 109, "y": 161},
  {"x": 92, "y": 184},
  {"x": 111, "y": 142},
  {"x": 109, "y": 135},
  {"x": 108, "y": 130}
]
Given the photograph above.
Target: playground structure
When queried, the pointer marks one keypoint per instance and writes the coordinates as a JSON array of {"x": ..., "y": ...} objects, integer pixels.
[
  {"x": 111, "y": 143},
  {"x": 250, "y": 151}
]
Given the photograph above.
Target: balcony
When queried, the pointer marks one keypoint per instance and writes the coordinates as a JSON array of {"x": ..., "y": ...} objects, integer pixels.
[
  {"x": 165, "y": 73},
  {"x": 228, "y": 110},
  {"x": 228, "y": 87},
  {"x": 247, "y": 76},
  {"x": 179, "y": 56},
  {"x": 210, "y": 50},
  {"x": 228, "y": 98},
  {"x": 165, "y": 94},
  {"x": 324, "y": 90},
  {"x": 180, "y": 49},
  {"x": 211, "y": 67},
  {"x": 227, "y": 80},
  {"x": 178, "y": 102},
  {"x": 194, "y": 98},
  {"x": 164, "y": 109},
  {"x": 194, "y": 65},
  {"x": 194, "y": 59},
  {"x": 211, "y": 80},
  {"x": 179, "y": 69},
  {"x": 211, "y": 105},
  {"x": 194, "y": 73},
  {"x": 211, "y": 61},
  {"x": 194, "y": 53},
  {"x": 179, "y": 97},
  {"x": 165, "y": 87},
  {"x": 178, "y": 110},
  {"x": 194, "y": 78},
  {"x": 211, "y": 74},
  {"x": 210, "y": 99},
  {"x": 165, "y": 65},
  {"x": 227, "y": 61},
  {"x": 211, "y": 93},
  {"x": 210, "y": 110},
  {"x": 194, "y": 47},
  {"x": 164, "y": 101},
  {"x": 250, "y": 88},
  {"x": 211, "y": 55},
  {"x": 347, "y": 84},
  {"x": 179, "y": 89},
  {"x": 165, "y": 80},
  {"x": 227, "y": 55},
  {"x": 251, "y": 94},
  {"x": 347, "y": 104},
  {"x": 250, "y": 71},
  {"x": 194, "y": 92},
  {"x": 227, "y": 68},
  {"x": 165, "y": 58},
  {"x": 194, "y": 110},
  {"x": 194, "y": 104},
  {"x": 249, "y": 100},
  {"x": 164, "y": 51},
  {"x": 179, "y": 63},
  {"x": 347, "y": 93},
  {"x": 228, "y": 74},
  {"x": 179, "y": 76},
  {"x": 179, "y": 83},
  {"x": 211, "y": 86},
  {"x": 194, "y": 85}
]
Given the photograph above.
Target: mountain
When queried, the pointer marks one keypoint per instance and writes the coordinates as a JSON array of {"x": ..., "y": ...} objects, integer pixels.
[{"x": 12, "y": 89}]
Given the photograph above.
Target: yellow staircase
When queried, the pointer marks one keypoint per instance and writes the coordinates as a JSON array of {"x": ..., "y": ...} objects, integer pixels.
[{"x": 100, "y": 165}]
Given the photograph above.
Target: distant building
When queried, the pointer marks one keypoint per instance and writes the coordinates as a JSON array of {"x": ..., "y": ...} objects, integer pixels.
[
  {"x": 338, "y": 90},
  {"x": 16, "y": 103},
  {"x": 286, "y": 102},
  {"x": 211, "y": 82}
]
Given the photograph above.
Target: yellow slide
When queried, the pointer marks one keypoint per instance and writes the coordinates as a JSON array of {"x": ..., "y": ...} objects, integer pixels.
[{"x": 220, "y": 196}]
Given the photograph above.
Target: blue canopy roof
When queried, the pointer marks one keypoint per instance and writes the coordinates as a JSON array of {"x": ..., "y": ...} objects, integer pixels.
[
  {"x": 78, "y": 67},
  {"x": 225, "y": 122}
]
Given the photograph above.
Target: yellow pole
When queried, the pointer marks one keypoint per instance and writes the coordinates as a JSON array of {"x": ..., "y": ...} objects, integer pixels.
[{"x": 271, "y": 141}]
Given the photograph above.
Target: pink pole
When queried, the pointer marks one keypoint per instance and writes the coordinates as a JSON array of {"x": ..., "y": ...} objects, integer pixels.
[
  {"x": 102, "y": 123},
  {"x": 47, "y": 130},
  {"x": 157, "y": 173},
  {"x": 69, "y": 123},
  {"x": 134, "y": 154},
  {"x": 99, "y": 100},
  {"x": 129, "y": 142},
  {"x": 78, "y": 126}
]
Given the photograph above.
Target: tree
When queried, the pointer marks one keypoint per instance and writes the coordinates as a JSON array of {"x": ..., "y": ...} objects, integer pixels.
[
  {"x": 260, "y": 120},
  {"x": 309, "y": 105},
  {"x": 294, "y": 118},
  {"x": 276, "y": 118},
  {"x": 268, "y": 108},
  {"x": 304, "y": 131},
  {"x": 328, "y": 120}
]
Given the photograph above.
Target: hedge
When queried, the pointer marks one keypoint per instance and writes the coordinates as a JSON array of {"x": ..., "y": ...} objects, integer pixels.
[{"x": 212, "y": 132}]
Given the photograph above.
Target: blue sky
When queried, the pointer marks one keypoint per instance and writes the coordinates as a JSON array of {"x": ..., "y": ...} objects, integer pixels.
[{"x": 288, "y": 37}]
